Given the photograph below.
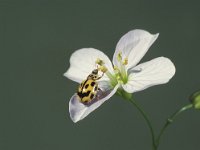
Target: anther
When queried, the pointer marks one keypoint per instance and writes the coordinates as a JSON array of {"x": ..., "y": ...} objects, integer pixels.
[
  {"x": 125, "y": 62},
  {"x": 116, "y": 68},
  {"x": 103, "y": 69},
  {"x": 119, "y": 56},
  {"x": 99, "y": 62}
]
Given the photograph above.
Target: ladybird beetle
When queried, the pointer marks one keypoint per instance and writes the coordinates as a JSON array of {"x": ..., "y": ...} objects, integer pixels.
[{"x": 88, "y": 89}]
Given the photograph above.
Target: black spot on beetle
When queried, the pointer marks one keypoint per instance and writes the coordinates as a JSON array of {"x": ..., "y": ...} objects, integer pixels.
[
  {"x": 95, "y": 77},
  {"x": 82, "y": 95},
  {"x": 88, "y": 92},
  {"x": 86, "y": 86},
  {"x": 92, "y": 84},
  {"x": 95, "y": 88},
  {"x": 92, "y": 96},
  {"x": 79, "y": 94}
]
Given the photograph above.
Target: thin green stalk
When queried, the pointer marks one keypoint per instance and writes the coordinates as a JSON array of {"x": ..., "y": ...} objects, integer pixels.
[
  {"x": 147, "y": 121},
  {"x": 170, "y": 120}
]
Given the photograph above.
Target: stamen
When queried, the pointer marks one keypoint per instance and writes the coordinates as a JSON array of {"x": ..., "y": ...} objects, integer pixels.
[
  {"x": 119, "y": 56},
  {"x": 100, "y": 65},
  {"x": 103, "y": 69},
  {"x": 119, "y": 78},
  {"x": 125, "y": 62},
  {"x": 116, "y": 68},
  {"x": 99, "y": 62},
  {"x": 121, "y": 73}
]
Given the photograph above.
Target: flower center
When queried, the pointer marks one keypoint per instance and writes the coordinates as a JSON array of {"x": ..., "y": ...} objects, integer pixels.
[{"x": 120, "y": 74}]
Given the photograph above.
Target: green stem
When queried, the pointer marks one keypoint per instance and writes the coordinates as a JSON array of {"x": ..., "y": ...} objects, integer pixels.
[
  {"x": 147, "y": 121},
  {"x": 170, "y": 120}
]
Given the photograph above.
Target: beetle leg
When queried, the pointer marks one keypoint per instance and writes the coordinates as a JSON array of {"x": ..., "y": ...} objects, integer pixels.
[{"x": 100, "y": 76}]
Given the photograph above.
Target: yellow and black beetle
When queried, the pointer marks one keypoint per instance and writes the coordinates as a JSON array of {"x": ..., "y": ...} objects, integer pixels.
[{"x": 88, "y": 89}]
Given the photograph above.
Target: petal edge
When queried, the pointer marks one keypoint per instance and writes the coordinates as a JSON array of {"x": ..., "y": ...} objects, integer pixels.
[
  {"x": 154, "y": 72},
  {"x": 134, "y": 46},
  {"x": 79, "y": 111},
  {"x": 82, "y": 62}
]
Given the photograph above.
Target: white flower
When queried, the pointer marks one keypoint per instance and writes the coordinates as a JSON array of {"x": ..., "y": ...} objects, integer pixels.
[{"x": 124, "y": 75}]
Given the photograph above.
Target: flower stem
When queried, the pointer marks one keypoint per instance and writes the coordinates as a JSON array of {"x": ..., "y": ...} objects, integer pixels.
[
  {"x": 169, "y": 121},
  {"x": 143, "y": 113}
]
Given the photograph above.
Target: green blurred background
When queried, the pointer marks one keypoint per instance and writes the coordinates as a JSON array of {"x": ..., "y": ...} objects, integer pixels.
[{"x": 36, "y": 40}]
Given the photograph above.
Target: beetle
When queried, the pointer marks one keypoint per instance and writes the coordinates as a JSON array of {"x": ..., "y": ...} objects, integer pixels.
[{"x": 88, "y": 89}]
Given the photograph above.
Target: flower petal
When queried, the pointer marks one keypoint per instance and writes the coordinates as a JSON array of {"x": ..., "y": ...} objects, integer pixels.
[
  {"x": 78, "y": 111},
  {"x": 134, "y": 46},
  {"x": 82, "y": 62},
  {"x": 157, "y": 71}
]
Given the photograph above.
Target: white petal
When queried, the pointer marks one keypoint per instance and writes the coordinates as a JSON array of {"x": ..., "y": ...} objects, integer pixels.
[
  {"x": 82, "y": 62},
  {"x": 78, "y": 111},
  {"x": 134, "y": 46},
  {"x": 157, "y": 71},
  {"x": 104, "y": 85}
]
